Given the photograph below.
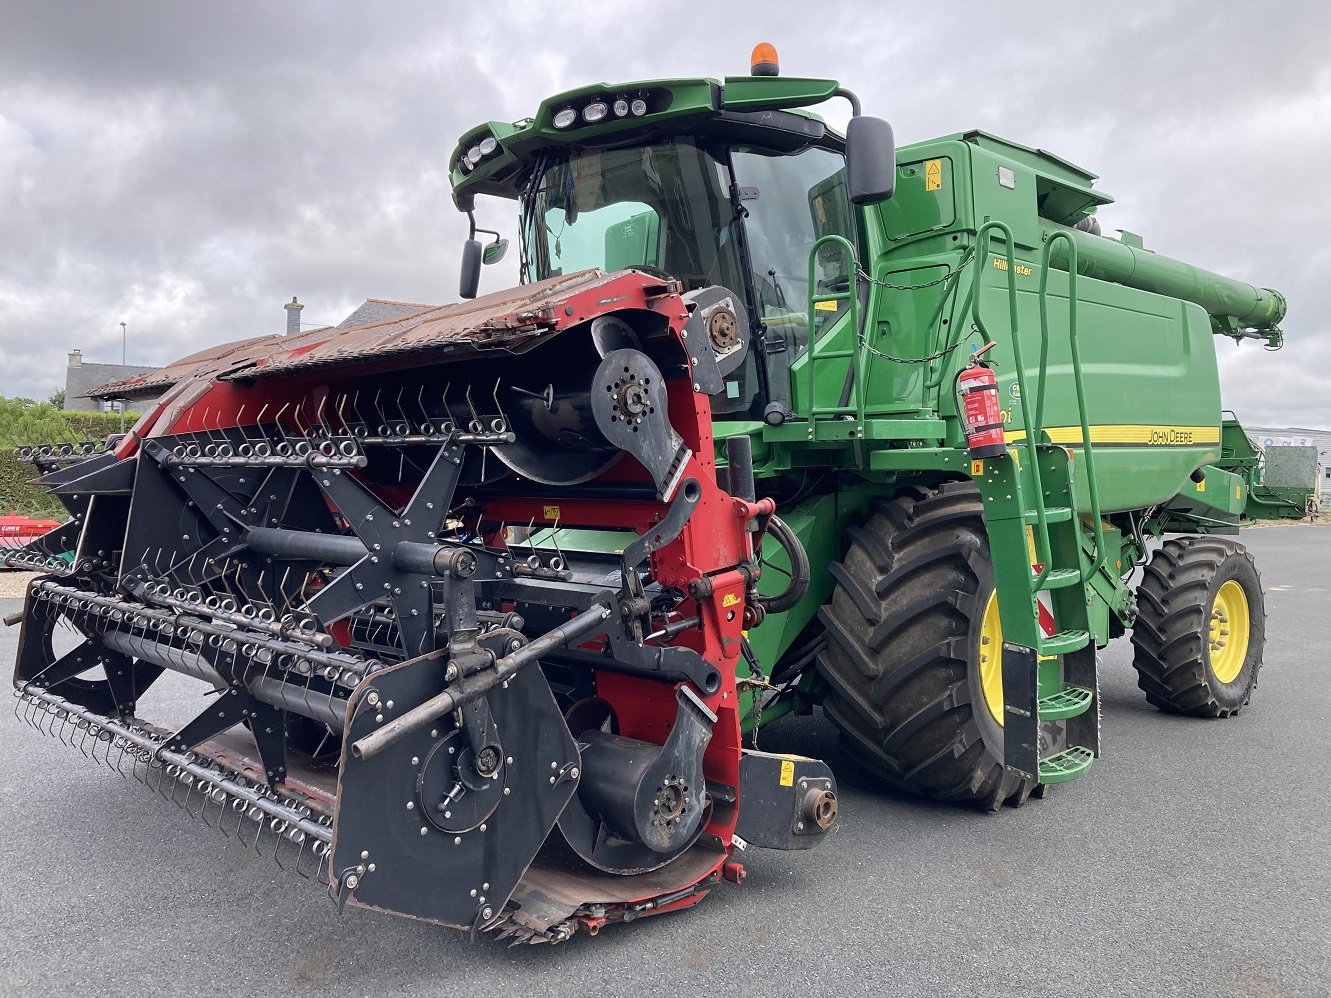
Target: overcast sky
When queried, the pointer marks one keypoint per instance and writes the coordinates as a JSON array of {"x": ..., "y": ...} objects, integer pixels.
[{"x": 188, "y": 167}]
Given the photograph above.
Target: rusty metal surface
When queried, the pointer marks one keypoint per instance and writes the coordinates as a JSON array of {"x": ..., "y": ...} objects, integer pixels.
[
  {"x": 214, "y": 358},
  {"x": 504, "y": 319}
]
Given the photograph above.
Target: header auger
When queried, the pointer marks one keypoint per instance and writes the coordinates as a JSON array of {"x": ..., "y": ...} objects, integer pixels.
[{"x": 493, "y": 599}]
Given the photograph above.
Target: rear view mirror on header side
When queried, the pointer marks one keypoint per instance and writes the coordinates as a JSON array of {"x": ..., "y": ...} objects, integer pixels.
[{"x": 471, "y": 269}]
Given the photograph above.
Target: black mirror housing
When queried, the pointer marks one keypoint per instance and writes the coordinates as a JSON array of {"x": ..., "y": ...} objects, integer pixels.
[
  {"x": 471, "y": 269},
  {"x": 871, "y": 160}
]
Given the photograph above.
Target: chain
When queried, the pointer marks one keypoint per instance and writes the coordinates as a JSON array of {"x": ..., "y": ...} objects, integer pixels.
[
  {"x": 910, "y": 360},
  {"x": 864, "y": 276},
  {"x": 951, "y": 276}
]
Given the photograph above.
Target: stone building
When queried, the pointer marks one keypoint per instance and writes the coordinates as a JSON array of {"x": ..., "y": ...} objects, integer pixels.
[{"x": 82, "y": 377}]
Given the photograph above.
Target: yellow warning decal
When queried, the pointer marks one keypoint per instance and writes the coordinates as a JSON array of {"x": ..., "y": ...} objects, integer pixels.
[
  {"x": 933, "y": 175},
  {"x": 787, "y": 773},
  {"x": 977, "y": 468},
  {"x": 824, "y": 306},
  {"x": 1146, "y": 434},
  {"x": 1201, "y": 486},
  {"x": 1030, "y": 544},
  {"x": 552, "y": 512},
  {"x": 730, "y": 599},
  {"x": 1238, "y": 492}
]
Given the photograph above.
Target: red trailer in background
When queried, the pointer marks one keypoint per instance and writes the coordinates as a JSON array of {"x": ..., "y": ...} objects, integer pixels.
[{"x": 17, "y": 531}]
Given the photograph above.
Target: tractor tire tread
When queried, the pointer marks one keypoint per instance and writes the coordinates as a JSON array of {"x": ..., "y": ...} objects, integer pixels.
[
  {"x": 1169, "y": 637},
  {"x": 899, "y": 689}
]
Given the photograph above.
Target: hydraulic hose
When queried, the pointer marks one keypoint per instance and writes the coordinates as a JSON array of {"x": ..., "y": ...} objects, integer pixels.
[{"x": 789, "y": 597}]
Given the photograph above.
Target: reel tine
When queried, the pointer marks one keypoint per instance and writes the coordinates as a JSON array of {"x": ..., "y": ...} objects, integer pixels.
[
  {"x": 32, "y": 708},
  {"x": 52, "y": 716},
  {"x": 194, "y": 785},
  {"x": 115, "y": 745},
  {"x": 243, "y": 814},
  {"x": 279, "y": 836},
  {"x": 299, "y": 864},
  {"x": 182, "y": 780},
  {"x": 81, "y": 733},
  {"x": 225, "y": 804}
]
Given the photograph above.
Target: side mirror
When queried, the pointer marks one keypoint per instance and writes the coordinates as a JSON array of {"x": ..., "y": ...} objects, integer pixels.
[
  {"x": 494, "y": 252},
  {"x": 471, "y": 269},
  {"x": 871, "y": 160}
]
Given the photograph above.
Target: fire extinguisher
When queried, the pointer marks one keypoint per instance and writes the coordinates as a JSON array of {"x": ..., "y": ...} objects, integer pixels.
[{"x": 980, "y": 407}]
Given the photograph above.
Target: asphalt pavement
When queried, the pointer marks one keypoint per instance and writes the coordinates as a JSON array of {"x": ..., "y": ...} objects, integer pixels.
[{"x": 1194, "y": 859}]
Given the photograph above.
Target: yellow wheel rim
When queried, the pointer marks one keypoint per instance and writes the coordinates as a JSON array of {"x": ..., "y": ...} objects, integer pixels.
[
  {"x": 991, "y": 658},
  {"x": 1229, "y": 632}
]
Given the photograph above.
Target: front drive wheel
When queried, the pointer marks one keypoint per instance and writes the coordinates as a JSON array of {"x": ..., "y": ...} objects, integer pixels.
[
  {"x": 913, "y": 668},
  {"x": 1201, "y": 627}
]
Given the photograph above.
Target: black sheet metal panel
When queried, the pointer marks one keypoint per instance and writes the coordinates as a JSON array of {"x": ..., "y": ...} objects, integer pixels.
[
  {"x": 387, "y": 856},
  {"x": 782, "y": 799},
  {"x": 1021, "y": 712}
]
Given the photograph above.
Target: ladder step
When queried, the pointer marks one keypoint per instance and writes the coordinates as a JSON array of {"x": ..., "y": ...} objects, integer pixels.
[
  {"x": 1067, "y": 702},
  {"x": 1052, "y": 514},
  {"x": 1064, "y": 642},
  {"x": 1066, "y": 765},
  {"x": 1061, "y": 578}
]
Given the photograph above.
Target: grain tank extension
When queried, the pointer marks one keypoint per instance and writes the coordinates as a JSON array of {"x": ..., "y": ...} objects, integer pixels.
[{"x": 490, "y": 603}]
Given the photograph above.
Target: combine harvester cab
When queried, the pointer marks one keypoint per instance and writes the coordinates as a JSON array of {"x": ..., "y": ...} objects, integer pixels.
[{"x": 353, "y": 541}]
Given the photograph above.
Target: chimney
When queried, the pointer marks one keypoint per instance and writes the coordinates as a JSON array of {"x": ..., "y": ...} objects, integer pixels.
[
  {"x": 76, "y": 358},
  {"x": 293, "y": 308}
]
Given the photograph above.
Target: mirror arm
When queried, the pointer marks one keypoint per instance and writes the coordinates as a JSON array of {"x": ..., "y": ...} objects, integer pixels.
[
  {"x": 854, "y": 101},
  {"x": 474, "y": 228}
]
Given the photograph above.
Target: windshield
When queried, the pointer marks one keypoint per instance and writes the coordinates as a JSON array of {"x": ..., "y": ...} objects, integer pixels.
[
  {"x": 664, "y": 205},
  {"x": 667, "y": 205},
  {"x": 792, "y": 201}
]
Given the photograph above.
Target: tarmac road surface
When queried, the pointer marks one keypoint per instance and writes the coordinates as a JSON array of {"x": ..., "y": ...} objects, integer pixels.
[{"x": 1194, "y": 859}]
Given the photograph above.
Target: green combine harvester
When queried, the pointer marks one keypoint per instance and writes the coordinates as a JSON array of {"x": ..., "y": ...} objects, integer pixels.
[
  {"x": 950, "y": 628},
  {"x": 496, "y": 597}
]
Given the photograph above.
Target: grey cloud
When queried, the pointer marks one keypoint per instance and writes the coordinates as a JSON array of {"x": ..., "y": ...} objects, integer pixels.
[{"x": 187, "y": 168}]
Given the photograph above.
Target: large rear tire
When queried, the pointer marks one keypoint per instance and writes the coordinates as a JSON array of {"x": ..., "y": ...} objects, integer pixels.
[
  {"x": 1201, "y": 627},
  {"x": 909, "y": 635}
]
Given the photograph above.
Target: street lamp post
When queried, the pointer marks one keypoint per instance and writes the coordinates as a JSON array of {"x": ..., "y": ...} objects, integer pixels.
[{"x": 123, "y": 341}]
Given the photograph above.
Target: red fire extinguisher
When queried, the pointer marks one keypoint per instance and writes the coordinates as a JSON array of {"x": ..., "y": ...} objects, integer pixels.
[{"x": 980, "y": 407}]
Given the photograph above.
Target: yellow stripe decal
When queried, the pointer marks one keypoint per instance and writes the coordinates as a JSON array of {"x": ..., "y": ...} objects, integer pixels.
[{"x": 1145, "y": 434}]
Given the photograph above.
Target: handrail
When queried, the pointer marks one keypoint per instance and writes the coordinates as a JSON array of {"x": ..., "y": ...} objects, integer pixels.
[
  {"x": 1042, "y": 546},
  {"x": 851, "y": 295},
  {"x": 1092, "y": 482}
]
